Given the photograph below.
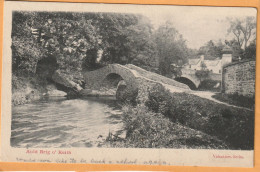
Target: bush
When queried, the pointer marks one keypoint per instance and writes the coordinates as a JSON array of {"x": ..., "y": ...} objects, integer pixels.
[
  {"x": 236, "y": 99},
  {"x": 234, "y": 126},
  {"x": 146, "y": 129},
  {"x": 202, "y": 73},
  {"x": 159, "y": 100}
]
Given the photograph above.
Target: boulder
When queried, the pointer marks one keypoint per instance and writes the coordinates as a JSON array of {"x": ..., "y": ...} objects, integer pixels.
[{"x": 62, "y": 79}]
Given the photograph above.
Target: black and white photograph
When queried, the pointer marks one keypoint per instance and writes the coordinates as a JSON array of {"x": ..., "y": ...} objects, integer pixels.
[{"x": 151, "y": 77}]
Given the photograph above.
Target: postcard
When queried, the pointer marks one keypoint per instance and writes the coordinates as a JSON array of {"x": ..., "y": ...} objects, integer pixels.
[{"x": 128, "y": 84}]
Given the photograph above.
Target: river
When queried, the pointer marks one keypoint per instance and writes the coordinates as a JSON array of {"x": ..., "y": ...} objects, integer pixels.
[{"x": 60, "y": 122}]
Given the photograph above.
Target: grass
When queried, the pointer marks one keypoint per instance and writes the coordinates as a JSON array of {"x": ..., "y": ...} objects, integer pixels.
[
  {"x": 237, "y": 100},
  {"x": 146, "y": 129},
  {"x": 232, "y": 125},
  {"x": 180, "y": 120}
]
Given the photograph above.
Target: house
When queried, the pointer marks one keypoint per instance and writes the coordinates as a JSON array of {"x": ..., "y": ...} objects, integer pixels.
[
  {"x": 215, "y": 65},
  {"x": 194, "y": 64}
]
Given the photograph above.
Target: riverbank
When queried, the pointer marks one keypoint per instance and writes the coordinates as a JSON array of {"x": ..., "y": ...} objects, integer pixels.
[
  {"x": 146, "y": 129},
  {"x": 181, "y": 120},
  {"x": 27, "y": 89},
  {"x": 166, "y": 119}
]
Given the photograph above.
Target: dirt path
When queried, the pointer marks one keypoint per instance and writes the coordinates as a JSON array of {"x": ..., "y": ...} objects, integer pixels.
[
  {"x": 208, "y": 95},
  {"x": 204, "y": 94}
]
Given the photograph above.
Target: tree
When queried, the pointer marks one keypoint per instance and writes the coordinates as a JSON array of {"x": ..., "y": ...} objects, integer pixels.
[
  {"x": 77, "y": 38},
  {"x": 250, "y": 51},
  {"x": 242, "y": 29},
  {"x": 25, "y": 51},
  {"x": 140, "y": 43},
  {"x": 171, "y": 47},
  {"x": 211, "y": 51},
  {"x": 237, "y": 51}
]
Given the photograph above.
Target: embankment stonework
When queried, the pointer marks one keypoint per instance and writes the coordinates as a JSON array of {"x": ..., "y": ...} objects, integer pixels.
[{"x": 239, "y": 78}]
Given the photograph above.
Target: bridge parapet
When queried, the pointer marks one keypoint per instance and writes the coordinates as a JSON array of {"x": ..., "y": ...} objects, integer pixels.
[
  {"x": 157, "y": 77},
  {"x": 135, "y": 78}
]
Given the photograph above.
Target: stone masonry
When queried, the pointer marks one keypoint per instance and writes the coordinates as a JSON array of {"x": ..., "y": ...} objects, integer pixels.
[
  {"x": 135, "y": 78},
  {"x": 239, "y": 78}
]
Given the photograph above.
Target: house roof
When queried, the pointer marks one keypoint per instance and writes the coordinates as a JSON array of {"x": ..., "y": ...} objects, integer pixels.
[
  {"x": 193, "y": 61},
  {"x": 212, "y": 62}
]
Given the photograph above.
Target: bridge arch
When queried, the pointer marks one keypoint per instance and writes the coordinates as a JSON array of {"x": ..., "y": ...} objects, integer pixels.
[
  {"x": 112, "y": 80},
  {"x": 112, "y": 73},
  {"x": 188, "y": 81}
]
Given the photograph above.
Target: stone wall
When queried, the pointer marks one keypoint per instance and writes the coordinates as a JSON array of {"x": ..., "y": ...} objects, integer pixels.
[
  {"x": 156, "y": 77},
  {"x": 129, "y": 73},
  {"x": 94, "y": 79},
  {"x": 239, "y": 78}
]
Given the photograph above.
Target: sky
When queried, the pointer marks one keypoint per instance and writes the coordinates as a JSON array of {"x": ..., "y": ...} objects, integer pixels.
[{"x": 198, "y": 25}]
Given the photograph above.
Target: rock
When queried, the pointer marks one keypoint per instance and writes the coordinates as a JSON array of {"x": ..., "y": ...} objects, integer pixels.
[
  {"x": 60, "y": 78},
  {"x": 56, "y": 93},
  {"x": 85, "y": 92}
]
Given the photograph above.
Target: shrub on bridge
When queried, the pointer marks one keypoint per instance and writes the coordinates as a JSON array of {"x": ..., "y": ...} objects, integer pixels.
[{"x": 202, "y": 73}]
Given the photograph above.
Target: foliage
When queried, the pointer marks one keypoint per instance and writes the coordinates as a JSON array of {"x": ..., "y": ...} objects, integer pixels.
[
  {"x": 237, "y": 51},
  {"x": 242, "y": 29},
  {"x": 25, "y": 52},
  {"x": 211, "y": 50},
  {"x": 250, "y": 51},
  {"x": 202, "y": 73},
  {"x": 76, "y": 40},
  {"x": 232, "y": 125},
  {"x": 244, "y": 42},
  {"x": 236, "y": 99},
  {"x": 159, "y": 100},
  {"x": 146, "y": 129},
  {"x": 171, "y": 47}
]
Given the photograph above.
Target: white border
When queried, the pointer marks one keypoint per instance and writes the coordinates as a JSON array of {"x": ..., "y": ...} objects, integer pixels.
[{"x": 180, "y": 157}]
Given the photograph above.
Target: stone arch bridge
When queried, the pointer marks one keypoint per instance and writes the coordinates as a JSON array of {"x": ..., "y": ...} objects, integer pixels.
[
  {"x": 189, "y": 78},
  {"x": 135, "y": 78}
]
